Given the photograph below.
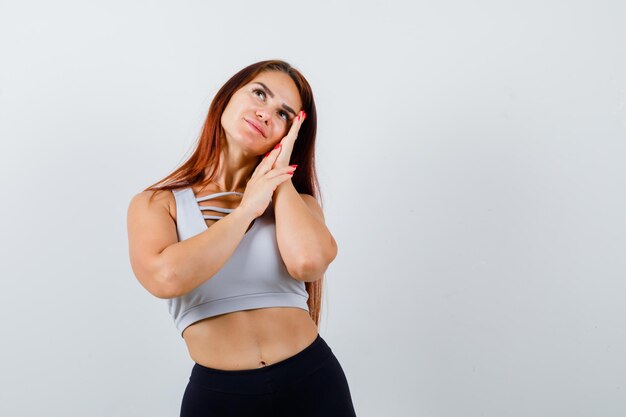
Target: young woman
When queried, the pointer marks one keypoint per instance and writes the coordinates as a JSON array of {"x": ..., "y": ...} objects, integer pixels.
[{"x": 243, "y": 283}]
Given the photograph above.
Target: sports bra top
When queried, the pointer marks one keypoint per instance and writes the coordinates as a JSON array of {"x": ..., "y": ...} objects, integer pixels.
[{"x": 254, "y": 276}]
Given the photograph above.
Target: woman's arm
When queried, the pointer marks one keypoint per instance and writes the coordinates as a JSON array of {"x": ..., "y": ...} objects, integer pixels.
[
  {"x": 305, "y": 243},
  {"x": 168, "y": 268}
]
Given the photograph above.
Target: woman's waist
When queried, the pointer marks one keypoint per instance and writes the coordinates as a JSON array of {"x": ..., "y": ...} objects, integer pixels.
[{"x": 250, "y": 339}]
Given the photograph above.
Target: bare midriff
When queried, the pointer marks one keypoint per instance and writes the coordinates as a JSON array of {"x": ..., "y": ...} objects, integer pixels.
[{"x": 250, "y": 339}]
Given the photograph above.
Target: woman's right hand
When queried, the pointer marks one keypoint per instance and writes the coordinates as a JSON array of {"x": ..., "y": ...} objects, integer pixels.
[{"x": 262, "y": 183}]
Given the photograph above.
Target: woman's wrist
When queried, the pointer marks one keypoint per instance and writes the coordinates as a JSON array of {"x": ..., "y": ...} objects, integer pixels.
[{"x": 244, "y": 214}]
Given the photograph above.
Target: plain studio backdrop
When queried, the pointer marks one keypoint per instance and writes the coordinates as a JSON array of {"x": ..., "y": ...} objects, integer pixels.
[{"x": 472, "y": 164}]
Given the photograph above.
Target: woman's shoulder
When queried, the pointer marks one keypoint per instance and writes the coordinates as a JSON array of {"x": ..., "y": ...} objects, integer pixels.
[{"x": 156, "y": 200}]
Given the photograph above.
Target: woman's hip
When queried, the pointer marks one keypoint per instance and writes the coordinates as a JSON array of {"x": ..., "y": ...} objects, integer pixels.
[{"x": 311, "y": 382}]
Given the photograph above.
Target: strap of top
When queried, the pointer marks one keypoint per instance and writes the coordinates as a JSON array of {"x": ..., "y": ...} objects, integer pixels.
[
  {"x": 218, "y": 209},
  {"x": 210, "y": 196}
]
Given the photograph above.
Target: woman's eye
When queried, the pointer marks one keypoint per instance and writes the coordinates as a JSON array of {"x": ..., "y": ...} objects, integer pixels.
[
  {"x": 259, "y": 91},
  {"x": 284, "y": 114}
]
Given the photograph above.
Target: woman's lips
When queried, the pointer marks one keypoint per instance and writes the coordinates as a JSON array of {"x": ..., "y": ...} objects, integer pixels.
[{"x": 253, "y": 127}]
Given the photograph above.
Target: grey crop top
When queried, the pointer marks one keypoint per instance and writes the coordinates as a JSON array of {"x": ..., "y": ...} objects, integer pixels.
[{"x": 255, "y": 275}]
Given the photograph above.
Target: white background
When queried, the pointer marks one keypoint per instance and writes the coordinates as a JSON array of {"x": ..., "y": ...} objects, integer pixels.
[{"x": 472, "y": 163}]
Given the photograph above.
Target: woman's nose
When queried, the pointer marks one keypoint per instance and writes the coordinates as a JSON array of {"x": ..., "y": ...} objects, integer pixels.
[{"x": 262, "y": 116}]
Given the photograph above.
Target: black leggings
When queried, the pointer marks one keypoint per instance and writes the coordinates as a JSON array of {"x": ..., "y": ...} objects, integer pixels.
[{"x": 310, "y": 383}]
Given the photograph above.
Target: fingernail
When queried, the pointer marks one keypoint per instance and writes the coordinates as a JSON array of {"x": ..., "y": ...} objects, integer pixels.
[
  {"x": 277, "y": 145},
  {"x": 303, "y": 115},
  {"x": 294, "y": 166},
  {"x": 266, "y": 154}
]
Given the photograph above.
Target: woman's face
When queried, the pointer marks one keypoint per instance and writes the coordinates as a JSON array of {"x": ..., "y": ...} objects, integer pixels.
[{"x": 270, "y": 101}]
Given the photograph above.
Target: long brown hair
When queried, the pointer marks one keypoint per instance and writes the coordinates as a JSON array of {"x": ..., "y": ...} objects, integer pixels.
[{"x": 208, "y": 148}]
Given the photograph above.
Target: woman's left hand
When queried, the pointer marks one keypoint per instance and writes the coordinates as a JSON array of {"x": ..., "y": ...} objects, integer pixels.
[{"x": 288, "y": 141}]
